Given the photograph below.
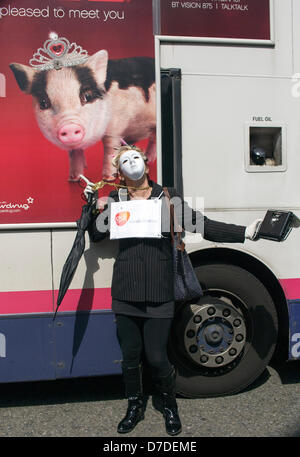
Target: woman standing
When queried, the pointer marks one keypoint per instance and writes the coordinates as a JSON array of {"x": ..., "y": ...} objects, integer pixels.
[{"x": 142, "y": 286}]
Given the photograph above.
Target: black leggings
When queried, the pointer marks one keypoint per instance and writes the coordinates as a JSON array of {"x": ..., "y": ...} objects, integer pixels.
[{"x": 135, "y": 333}]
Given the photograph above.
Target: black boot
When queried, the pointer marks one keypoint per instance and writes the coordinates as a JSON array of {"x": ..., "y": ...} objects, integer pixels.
[
  {"x": 134, "y": 393},
  {"x": 166, "y": 402}
]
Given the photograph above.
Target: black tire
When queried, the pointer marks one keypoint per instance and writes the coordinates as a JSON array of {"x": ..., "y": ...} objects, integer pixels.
[{"x": 224, "y": 284}]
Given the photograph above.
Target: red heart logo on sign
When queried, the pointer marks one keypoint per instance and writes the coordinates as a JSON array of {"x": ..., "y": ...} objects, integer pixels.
[{"x": 122, "y": 217}]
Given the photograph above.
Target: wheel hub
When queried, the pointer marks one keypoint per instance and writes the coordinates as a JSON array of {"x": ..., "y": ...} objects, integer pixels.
[{"x": 214, "y": 333}]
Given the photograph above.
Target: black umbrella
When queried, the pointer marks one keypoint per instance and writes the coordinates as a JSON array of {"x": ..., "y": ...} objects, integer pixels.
[
  {"x": 76, "y": 252},
  {"x": 77, "y": 249}
]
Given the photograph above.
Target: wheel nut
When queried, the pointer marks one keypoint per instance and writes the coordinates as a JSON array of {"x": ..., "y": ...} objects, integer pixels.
[
  {"x": 239, "y": 337},
  {"x": 190, "y": 333},
  {"x": 193, "y": 348},
  {"x": 203, "y": 359},
  {"x": 232, "y": 351},
  {"x": 197, "y": 319},
  {"x": 219, "y": 360},
  {"x": 237, "y": 322},
  {"x": 211, "y": 311},
  {"x": 226, "y": 312}
]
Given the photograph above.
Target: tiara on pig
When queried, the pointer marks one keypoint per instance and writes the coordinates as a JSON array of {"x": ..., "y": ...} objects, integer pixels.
[{"x": 57, "y": 53}]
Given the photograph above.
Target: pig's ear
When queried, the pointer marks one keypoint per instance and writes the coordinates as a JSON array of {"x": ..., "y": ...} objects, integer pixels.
[
  {"x": 24, "y": 76},
  {"x": 98, "y": 63}
]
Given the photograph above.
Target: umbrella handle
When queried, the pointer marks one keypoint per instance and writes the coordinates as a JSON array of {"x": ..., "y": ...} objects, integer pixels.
[
  {"x": 85, "y": 179},
  {"x": 90, "y": 196}
]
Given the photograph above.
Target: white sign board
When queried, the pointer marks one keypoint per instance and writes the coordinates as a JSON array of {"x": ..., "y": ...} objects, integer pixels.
[{"x": 136, "y": 219}]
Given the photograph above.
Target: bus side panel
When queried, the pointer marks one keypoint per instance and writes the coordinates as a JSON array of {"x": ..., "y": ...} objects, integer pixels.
[
  {"x": 93, "y": 274},
  {"x": 26, "y": 349},
  {"x": 86, "y": 345},
  {"x": 229, "y": 94}
]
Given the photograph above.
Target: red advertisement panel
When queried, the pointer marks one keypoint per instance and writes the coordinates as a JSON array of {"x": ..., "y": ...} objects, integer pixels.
[
  {"x": 240, "y": 19},
  {"x": 76, "y": 80}
]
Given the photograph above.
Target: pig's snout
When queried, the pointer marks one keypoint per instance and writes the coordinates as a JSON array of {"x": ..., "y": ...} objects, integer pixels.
[{"x": 70, "y": 134}]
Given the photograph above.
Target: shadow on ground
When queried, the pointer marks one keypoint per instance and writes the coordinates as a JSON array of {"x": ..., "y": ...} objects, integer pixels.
[{"x": 106, "y": 388}]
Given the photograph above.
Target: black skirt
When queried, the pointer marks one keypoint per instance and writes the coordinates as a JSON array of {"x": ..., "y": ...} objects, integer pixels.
[{"x": 144, "y": 309}]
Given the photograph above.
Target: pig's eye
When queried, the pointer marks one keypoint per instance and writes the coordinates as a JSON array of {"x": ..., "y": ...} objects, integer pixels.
[
  {"x": 89, "y": 95},
  {"x": 45, "y": 103}
]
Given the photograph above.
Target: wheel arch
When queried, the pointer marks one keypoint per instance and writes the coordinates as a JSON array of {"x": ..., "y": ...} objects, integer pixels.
[{"x": 263, "y": 273}]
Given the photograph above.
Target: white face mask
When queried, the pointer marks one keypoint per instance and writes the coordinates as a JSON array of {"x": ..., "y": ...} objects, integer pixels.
[{"x": 132, "y": 165}]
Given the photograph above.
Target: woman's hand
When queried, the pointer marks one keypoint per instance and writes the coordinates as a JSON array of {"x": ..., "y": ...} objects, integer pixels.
[{"x": 252, "y": 229}]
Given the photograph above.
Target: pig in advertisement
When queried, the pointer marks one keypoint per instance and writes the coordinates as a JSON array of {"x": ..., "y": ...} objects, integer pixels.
[{"x": 79, "y": 100}]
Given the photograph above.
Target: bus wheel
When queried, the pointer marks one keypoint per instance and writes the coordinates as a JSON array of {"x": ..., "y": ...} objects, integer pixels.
[{"x": 223, "y": 342}]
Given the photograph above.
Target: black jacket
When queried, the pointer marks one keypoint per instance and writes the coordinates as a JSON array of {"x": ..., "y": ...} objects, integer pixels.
[{"x": 143, "y": 269}]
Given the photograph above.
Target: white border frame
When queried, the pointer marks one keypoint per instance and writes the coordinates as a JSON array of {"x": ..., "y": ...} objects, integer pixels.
[{"x": 39, "y": 226}]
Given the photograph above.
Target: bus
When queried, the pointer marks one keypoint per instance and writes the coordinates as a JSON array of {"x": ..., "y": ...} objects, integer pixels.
[{"x": 228, "y": 110}]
